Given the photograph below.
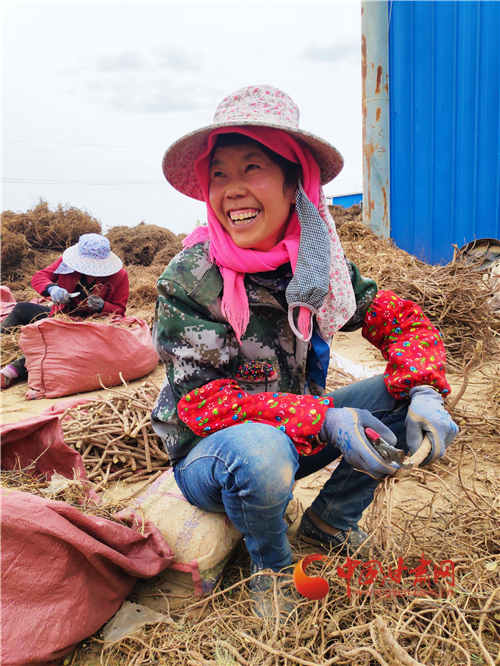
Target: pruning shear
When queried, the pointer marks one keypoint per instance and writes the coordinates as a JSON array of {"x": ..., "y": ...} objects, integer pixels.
[{"x": 385, "y": 450}]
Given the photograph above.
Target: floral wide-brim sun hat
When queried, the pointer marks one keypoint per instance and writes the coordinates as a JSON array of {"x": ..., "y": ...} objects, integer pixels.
[
  {"x": 260, "y": 105},
  {"x": 90, "y": 256}
]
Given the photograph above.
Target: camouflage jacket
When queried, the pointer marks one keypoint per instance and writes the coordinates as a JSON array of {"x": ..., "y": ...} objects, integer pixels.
[{"x": 197, "y": 344}]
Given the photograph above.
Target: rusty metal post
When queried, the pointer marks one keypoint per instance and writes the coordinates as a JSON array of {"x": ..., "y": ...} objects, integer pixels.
[{"x": 375, "y": 105}]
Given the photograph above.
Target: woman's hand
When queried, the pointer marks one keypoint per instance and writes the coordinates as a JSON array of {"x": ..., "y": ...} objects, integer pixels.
[
  {"x": 95, "y": 303},
  {"x": 345, "y": 428},
  {"x": 58, "y": 295},
  {"x": 427, "y": 416}
]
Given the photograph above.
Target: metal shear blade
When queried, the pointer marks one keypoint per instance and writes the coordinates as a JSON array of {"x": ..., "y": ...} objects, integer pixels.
[{"x": 386, "y": 451}]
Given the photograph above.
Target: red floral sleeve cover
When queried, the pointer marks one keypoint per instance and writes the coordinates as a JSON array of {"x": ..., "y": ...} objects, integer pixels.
[
  {"x": 222, "y": 403},
  {"x": 409, "y": 342}
]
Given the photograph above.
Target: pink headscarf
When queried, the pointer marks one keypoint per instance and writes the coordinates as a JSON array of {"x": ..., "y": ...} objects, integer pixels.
[{"x": 234, "y": 261}]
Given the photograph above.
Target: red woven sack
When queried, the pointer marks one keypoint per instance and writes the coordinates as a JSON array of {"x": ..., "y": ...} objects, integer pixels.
[
  {"x": 64, "y": 573},
  {"x": 67, "y": 357}
]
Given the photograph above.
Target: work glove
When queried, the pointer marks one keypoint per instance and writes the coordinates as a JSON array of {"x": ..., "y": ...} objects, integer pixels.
[
  {"x": 427, "y": 416},
  {"x": 58, "y": 295},
  {"x": 345, "y": 429},
  {"x": 95, "y": 303}
]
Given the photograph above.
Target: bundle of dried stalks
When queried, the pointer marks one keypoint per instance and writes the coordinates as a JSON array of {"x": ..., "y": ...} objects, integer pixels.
[
  {"x": 10, "y": 349},
  {"x": 51, "y": 229},
  {"x": 454, "y": 297},
  {"x": 115, "y": 438},
  {"x": 14, "y": 248},
  {"x": 140, "y": 244},
  {"x": 143, "y": 281}
]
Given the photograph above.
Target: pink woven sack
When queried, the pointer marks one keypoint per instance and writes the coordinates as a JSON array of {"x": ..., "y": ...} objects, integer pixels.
[
  {"x": 7, "y": 302},
  {"x": 67, "y": 357}
]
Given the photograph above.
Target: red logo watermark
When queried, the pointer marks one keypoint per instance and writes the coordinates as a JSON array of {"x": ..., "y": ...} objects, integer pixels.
[{"x": 366, "y": 576}]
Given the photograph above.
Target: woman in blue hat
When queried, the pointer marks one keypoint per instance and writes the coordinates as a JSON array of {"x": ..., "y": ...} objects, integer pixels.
[{"x": 87, "y": 279}]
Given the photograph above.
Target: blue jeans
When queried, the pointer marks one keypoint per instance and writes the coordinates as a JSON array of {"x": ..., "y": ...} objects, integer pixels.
[{"x": 248, "y": 471}]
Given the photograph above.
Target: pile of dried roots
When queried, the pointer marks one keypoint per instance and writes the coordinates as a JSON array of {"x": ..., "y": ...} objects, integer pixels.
[
  {"x": 141, "y": 244},
  {"x": 454, "y": 297},
  {"x": 40, "y": 228},
  {"x": 115, "y": 438},
  {"x": 10, "y": 349},
  {"x": 414, "y": 618},
  {"x": 143, "y": 281}
]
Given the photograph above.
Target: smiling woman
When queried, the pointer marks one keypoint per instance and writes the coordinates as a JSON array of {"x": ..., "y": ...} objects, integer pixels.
[{"x": 241, "y": 412}]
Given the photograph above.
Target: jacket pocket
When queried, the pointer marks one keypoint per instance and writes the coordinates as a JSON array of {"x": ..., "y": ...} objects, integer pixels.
[{"x": 258, "y": 375}]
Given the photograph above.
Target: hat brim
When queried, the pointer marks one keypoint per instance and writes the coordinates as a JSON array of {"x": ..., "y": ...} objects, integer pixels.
[
  {"x": 94, "y": 267},
  {"x": 180, "y": 157}
]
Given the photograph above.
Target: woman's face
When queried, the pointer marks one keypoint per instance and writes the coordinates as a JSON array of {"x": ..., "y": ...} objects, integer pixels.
[{"x": 248, "y": 196}]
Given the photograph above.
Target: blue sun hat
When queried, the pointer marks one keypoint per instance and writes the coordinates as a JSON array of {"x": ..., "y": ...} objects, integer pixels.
[{"x": 91, "y": 256}]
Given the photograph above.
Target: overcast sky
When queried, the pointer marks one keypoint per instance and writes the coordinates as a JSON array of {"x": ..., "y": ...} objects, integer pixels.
[{"x": 94, "y": 93}]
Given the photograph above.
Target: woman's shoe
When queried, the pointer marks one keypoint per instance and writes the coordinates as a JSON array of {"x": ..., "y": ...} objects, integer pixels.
[
  {"x": 6, "y": 381},
  {"x": 261, "y": 590},
  {"x": 346, "y": 543}
]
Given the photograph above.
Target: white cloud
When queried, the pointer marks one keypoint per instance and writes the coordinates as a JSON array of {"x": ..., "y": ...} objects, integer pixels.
[
  {"x": 176, "y": 60},
  {"x": 123, "y": 61}
]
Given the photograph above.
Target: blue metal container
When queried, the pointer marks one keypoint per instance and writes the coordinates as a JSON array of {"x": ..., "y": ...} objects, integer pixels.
[
  {"x": 444, "y": 84},
  {"x": 346, "y": 200}
]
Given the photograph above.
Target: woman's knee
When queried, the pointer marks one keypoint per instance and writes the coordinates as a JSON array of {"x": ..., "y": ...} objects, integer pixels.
[
  {"x": 263, "y": 444},
  {"x": 24, "y": 313},
  {"x": 246, "y": 461},
  {"x": 269, "y": 462},
  {"x": 11, "y": 320},
  {"x": 256, "y": 458}
]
